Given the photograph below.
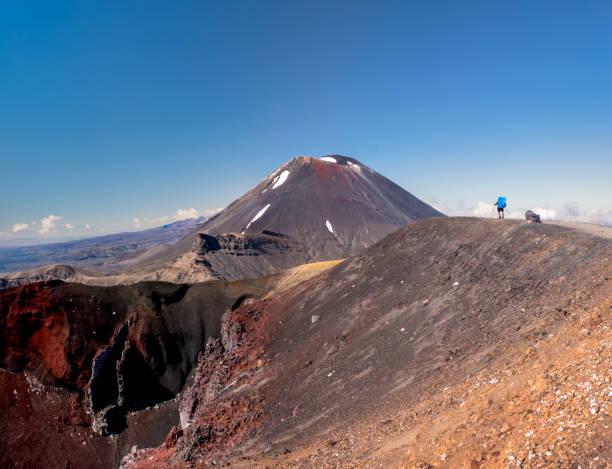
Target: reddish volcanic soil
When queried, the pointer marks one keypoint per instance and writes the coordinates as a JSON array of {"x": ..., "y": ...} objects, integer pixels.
[
  {"x": 45, "y": 426},
  {"x": 451, "y": 343},
  {"x": 144, "y": 339}
]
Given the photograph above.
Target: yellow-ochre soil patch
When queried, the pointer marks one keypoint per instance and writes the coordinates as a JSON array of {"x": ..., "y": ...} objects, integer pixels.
[{"x": 299, "y": 274}]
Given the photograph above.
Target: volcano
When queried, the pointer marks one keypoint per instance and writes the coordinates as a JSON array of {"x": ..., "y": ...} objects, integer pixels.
[
  {"x": 334, "y": 205},
  {"x": 308, "y": 210}
]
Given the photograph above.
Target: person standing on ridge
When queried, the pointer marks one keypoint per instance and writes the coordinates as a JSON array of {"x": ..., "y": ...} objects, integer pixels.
[{"x": 501, "y": 205}]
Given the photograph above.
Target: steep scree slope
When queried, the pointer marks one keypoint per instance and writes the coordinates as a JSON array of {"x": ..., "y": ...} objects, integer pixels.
[{"x": 427, "y": 308}]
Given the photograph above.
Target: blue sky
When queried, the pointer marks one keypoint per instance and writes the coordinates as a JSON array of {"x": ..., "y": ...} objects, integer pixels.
[{"x": 112, "y": 111}]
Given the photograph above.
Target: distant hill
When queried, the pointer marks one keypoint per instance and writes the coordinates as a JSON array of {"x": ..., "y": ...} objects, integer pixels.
[{"x": 96, "y": 252}]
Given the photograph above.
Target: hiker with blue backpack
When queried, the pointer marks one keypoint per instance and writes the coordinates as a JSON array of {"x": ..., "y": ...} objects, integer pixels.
[{"x": 501, "y": 205}]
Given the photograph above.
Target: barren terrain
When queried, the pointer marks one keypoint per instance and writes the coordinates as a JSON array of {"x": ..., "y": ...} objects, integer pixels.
[{"x": 434, "y": 348}]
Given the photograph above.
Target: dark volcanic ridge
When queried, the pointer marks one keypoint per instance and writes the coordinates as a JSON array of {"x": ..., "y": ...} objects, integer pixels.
[
  {"x": 429, "y": 306},
  {"x": 89, "y": 372}
]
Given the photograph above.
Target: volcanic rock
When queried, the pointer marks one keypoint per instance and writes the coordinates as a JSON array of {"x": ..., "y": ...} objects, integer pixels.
[{"x": 110, "y": 351}]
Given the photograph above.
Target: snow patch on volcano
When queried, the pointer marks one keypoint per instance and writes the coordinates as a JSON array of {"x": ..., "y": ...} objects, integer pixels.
[
  {"x": 329, "y": 159},
  {"x": 258, "y": 216},
  {"x": 329, "y": 227},
  {"x": 281, "y": 179}
]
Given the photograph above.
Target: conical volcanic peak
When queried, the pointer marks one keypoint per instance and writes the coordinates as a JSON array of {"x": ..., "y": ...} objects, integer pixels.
[{"x": 335, "y": 205}]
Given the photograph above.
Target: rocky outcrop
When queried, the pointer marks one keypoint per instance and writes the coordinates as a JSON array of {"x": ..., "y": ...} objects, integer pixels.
[
  {"x": 224, "y": 406},
  {"x": 52, "y": 272},
  {"x": 109, "y": 351},
  {"x": 235, "y": 256},
  {"x": 235, "y": 244}
]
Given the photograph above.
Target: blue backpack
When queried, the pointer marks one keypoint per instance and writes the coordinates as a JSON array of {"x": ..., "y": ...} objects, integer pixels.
[{"x": 501, "y": 202}]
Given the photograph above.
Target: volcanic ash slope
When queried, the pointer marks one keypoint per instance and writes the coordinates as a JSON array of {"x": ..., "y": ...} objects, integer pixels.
[{"x": 347, "y": 368}]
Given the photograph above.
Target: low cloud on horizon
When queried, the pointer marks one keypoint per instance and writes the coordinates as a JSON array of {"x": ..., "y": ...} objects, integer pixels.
[
  {"x": 180, "y": 214},
  {"x": 47, "y": 224},
  {"x": 568, "y": 211},
  {"x": 17, "y": 227},
  {"x": 185, "y": 213},
  {"x": 48, "y": 228}
]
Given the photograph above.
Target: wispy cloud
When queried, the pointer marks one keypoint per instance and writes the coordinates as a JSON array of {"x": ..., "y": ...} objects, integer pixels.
[
  {"x": 156, "y": 219},
  {"x": 184, "y": 213},
  {"x": 212, "y": 211},
  {"x": 19, "y": 227},
  {"x": 180, "y": 214},
  {"x": 483, "y": 209},
  {"x": 569, "y": 211},
  {"x": 574, "y": 211},
  {"x": 546, "y": 212},
  {"x": 439, "y": 205},
  {"x": 47, "y": 224},
  {"x": 69, "y": 226}
]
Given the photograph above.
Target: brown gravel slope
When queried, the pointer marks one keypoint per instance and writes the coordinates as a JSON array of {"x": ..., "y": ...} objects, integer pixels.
[{"x": 351, "y": 365}]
